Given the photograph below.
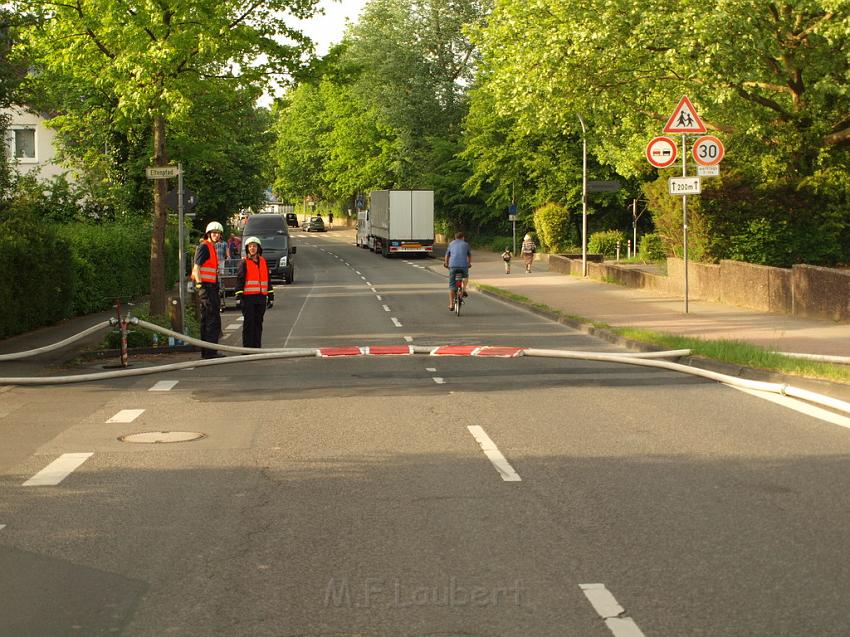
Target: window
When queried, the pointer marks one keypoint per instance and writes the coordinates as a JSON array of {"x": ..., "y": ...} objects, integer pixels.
[{"x": 24, "y": 143}]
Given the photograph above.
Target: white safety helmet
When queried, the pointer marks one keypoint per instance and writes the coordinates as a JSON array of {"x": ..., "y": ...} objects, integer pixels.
[
  {"x": 253, "y": 240},
  {"x": 215, "y": 226}
]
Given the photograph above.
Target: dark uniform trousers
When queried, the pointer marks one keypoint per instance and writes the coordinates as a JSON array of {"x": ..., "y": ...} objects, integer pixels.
[
  {"x": 210, "y": 306},
  {"x": 253, "y": 310}
]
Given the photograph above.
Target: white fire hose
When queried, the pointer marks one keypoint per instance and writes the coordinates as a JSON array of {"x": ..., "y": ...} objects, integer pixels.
[{"x": 643, "y": 359}]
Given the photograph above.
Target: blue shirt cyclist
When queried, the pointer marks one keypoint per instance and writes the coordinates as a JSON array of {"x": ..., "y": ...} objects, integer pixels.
[{"x": 458, "y": 260}]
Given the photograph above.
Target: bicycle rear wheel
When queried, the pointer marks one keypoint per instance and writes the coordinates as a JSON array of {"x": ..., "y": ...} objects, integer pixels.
[{"x": 458, "y": 299}]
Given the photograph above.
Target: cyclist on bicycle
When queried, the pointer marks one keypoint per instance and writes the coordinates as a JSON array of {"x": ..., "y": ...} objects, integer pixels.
[{"x": 458, "y": 260}]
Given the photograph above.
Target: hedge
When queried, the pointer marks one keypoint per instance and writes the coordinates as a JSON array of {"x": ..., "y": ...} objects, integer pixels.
[{"x": 56, "y": 272}]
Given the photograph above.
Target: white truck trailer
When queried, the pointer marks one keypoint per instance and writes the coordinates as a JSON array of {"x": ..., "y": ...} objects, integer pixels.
[{"x": 401, "y": 222}]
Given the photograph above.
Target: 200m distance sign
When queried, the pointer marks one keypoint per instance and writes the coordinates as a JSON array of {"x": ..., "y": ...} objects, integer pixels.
[
  {"x": 661, "y": 152},
  {"x": 708, "y": 150}
]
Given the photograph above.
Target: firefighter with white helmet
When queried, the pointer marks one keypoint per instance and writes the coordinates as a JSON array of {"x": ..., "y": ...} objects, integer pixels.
[
  {"x": 205, "y": 276},
  {"x": 254, "y": 292}
]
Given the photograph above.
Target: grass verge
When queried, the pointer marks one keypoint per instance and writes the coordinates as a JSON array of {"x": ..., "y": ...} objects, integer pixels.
[{"x": 731, "y": 352}]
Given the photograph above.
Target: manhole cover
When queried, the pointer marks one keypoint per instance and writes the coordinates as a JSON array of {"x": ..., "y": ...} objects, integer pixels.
[{"x": 151, "y": 437}]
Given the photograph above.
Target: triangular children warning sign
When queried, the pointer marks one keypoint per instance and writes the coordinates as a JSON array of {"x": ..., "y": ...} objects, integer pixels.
[{"x": 684, "y": 119}]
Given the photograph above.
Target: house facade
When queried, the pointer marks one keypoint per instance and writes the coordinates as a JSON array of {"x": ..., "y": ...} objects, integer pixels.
[{"x": 29, "y": 143}]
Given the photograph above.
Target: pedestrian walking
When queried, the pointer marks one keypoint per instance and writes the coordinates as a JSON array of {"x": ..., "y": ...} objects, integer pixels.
[
  {"x": 506, "y": 257},
  {"x": 331, "y": 220},
  {"x": 205, "y": 276},
  {"x": 528, "y": 249},
  {"x": 254, "y": 292}
]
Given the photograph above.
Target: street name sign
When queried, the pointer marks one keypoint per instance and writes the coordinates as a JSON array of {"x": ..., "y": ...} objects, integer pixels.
[
  {"x": 684, "y": 185},
  {"x": 603, "y": 186},
  {"x": 684, "y": 119},
  {"x": 708, "y": 150},
  {"x": 161, "y": 172},
  {"x": 661, "y": 152}
]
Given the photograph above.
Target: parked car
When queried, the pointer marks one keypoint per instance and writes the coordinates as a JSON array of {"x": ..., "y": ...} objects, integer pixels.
[
  {"x": 291, "y": 220},
  {"x": 273, "y": 232},
  {"x": 316, "y": 224}
]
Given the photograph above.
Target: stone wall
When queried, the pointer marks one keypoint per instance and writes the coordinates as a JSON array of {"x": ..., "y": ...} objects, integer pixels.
[
  {"x": 820, "y": 292},
  {"x": 804, "y": 290}
]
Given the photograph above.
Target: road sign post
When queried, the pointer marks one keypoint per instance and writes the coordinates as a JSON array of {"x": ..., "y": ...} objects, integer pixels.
[
  {"x": 684, "y": 120},
  {"x": 169, "y": 172},
  {"x": 182, "y": 254}
]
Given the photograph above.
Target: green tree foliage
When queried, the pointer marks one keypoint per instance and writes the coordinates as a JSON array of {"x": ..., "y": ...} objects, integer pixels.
[
  {"x": 147, "y": 64},
  {"x": 384, "y": 109},
  {"x": 555, "y": 231}
]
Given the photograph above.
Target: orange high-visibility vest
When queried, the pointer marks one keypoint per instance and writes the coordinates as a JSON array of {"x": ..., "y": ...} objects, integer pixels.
[
  {"x": 256, "y": 277},
  {"x": 209, "y": 268}
]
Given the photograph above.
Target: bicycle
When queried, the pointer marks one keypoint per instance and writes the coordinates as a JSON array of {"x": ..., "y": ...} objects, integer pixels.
[
  {"x": 459, "y": 292},
  {"x": 458, "y": 295}
]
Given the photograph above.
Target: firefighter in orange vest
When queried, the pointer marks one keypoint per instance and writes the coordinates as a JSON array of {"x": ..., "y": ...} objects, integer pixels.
[
  {"x": 205, "y": 276},
  {"x": 254, "y": 292}
]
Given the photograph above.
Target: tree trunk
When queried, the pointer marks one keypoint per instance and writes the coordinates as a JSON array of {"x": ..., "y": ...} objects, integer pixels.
[{"x": 157, "y": 273}]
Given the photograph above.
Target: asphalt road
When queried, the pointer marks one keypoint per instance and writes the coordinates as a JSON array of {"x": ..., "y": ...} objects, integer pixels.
[{"x": 415, "y": 495}]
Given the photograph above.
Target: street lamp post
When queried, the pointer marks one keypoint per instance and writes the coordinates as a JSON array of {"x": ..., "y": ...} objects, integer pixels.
[{"x": 583, "y": 197}]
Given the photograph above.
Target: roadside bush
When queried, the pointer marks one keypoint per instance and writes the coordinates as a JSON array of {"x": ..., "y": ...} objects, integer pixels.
[
  {"x": 555, "y": 231},
  {"x": 778, "y": 224},
  {"x": 109, "y": 261},
  {"x": 651, "y": 247},
  {"x": 37, "y": 288},
  {"x": 666, "y": 213},
  {"x": 605, "y": 242}
]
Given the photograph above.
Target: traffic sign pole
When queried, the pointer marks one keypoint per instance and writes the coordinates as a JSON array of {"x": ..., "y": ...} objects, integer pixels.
[
  {"x": 181, "y": 256},
  {"x": 685, "y": 215}
]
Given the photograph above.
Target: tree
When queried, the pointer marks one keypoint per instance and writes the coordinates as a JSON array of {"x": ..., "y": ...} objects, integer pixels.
[
  {"x": 776, "y": 93},
  {"x": 384, "y": 109},
  {"x": 149, "y": 61},
  {"x": 778, "y": 90}
]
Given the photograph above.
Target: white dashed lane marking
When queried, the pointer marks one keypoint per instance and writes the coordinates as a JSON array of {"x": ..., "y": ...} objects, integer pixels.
[
  {"x": 495, "y": 456},
  {"x": 408, "y": 339},
  {"x": 126, "y": 415},
  {"x": 439, "y": 380},
  {"x": 164, "y": 385},
  {"x": 57, "y": 470},
  {"x": 396, "y": 322},
  {"x": 610, "y": 611},
  {"x": 386, "y": 308}
]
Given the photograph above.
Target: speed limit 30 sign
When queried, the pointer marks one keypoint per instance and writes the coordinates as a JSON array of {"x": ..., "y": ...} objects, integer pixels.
[{"x": 708, "y": 150}]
